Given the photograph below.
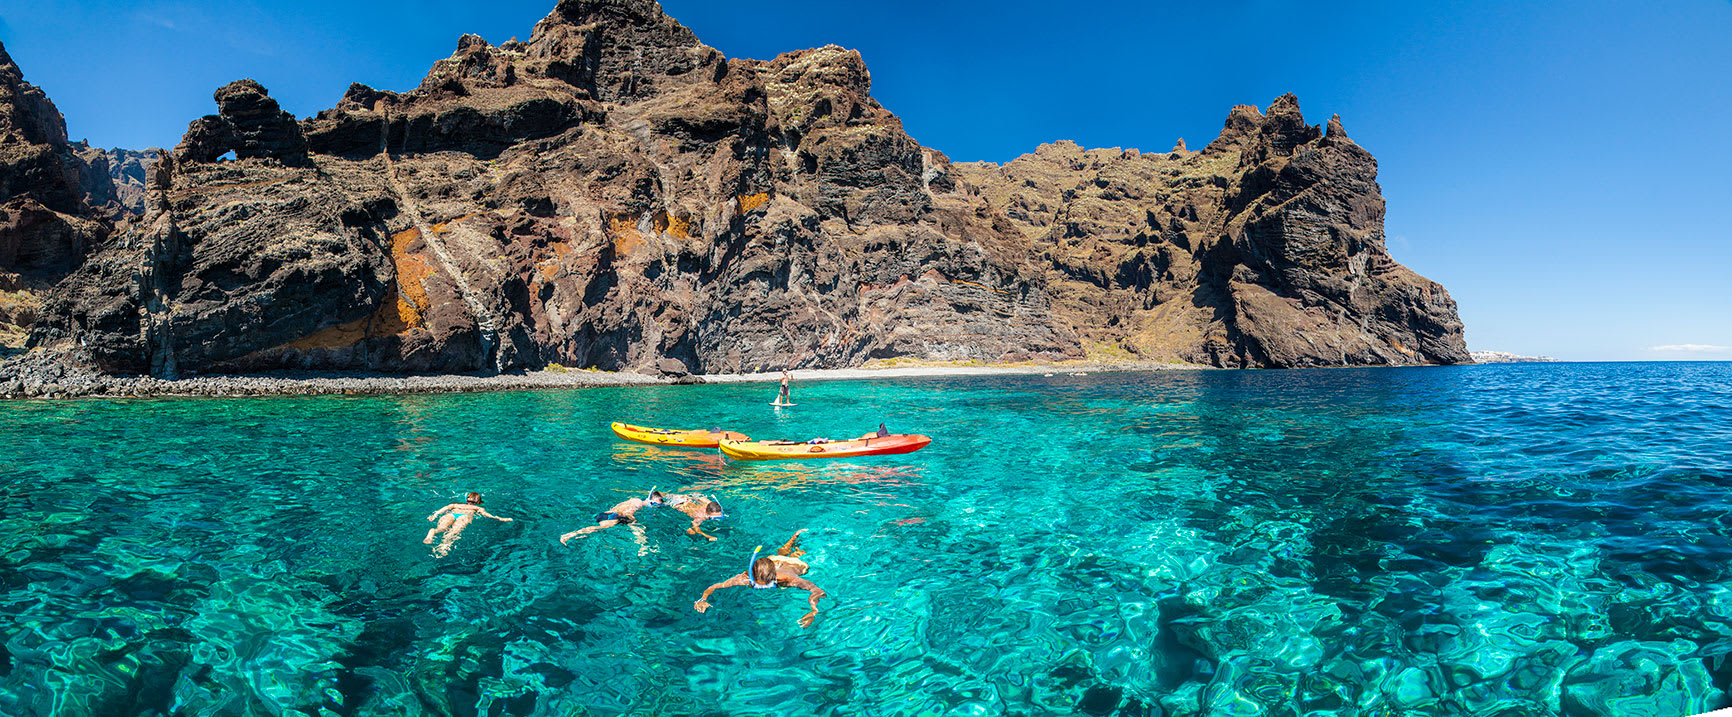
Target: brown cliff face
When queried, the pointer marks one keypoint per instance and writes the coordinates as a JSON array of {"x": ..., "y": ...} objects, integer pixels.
[
  {"x": 609, "y": 193},
  {"x": 1264, "y": 249},
  {"x": 56, "y": 202},
  {"x": 612, "y": 192}
]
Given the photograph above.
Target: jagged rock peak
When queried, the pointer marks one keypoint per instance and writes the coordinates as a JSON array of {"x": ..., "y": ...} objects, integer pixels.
[
  {"x": 25, "y": 109},
  {"x": 619, "y": 50},
  {"x": 468, "y": 40},
  {"x": 1265, "y": 135},
  {"x": 1179, "y": 146},
  {"x": 1334, "y": 130},
  {"x": 36, "y": 160},
  {"x": 364, "y": 98},
  {"x": 248, "y": 122},
  {"x": 1242, "y": 123},
  {"x": 829, "y": 65},
  {"x": 1284, "y": 127}
]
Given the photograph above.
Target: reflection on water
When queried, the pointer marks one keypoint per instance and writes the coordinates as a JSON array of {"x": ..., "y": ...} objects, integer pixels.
[{"x": 1475, "y": 540}]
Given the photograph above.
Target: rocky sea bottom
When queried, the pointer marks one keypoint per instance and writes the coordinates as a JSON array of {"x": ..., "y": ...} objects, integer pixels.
[{"x": 1518, "y": 539}]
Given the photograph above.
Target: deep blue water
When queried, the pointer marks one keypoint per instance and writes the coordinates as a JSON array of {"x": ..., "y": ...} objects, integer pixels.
[{"x": 1519, "y": 539}]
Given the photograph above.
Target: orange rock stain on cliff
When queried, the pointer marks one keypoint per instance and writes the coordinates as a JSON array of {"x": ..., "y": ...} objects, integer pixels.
[
  {"x": 748, "y": 202},
  {"x": 622, "y": 228},
  {"x": 411, "y": 292},
  {"x": 401, "y": 310},
  {"x": 673, "y": 225},
  {"x": 549, "y": 270}
]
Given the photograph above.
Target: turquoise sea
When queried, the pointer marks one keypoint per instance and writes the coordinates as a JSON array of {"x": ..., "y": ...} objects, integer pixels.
[{"x": 1483, "y": 540}]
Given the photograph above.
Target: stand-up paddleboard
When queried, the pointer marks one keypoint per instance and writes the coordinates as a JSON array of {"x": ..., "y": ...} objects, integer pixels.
[{"x": 783, "y": 405}]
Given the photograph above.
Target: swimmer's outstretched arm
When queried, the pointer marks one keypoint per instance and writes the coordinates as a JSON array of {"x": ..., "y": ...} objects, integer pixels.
[
  {"x": 703, "y": 603},
  {"x": 695, "y": 530},
  {"x": 817, "y": 593},
  {"x": 442, "y": 511},
  {"x": 483, "y": 512}
]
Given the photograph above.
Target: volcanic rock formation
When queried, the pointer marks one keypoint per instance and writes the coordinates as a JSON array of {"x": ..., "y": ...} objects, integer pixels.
[
  {"x": 1264, "y": 249},
  {"x": 57, "y": 202},
  {"x": 614, "y": 193}
]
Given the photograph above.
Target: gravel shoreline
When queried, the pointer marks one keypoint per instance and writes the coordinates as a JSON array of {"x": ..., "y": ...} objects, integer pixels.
[{"x": 47, "y": 380}]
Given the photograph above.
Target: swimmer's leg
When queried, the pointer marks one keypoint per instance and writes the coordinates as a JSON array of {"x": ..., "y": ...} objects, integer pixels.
[
  {"x": 444, "y": 522},
  {"x": 603, "y": 525},
  {"x": 451, "y": 536},
  {"x": 790, "y": 548}
]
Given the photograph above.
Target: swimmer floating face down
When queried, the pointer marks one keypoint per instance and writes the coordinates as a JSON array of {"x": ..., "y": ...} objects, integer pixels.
[
  {"x": 453, "y": 518},
  {"x": 625, "y": 513}
]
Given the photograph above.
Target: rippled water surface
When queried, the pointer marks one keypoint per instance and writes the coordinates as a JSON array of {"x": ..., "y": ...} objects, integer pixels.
[{"x": 1527, "y": 539}]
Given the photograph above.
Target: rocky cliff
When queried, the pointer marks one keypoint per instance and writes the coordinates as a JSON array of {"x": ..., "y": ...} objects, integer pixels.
[
  {"x": 1265, "y": 248},
  {"x": 57, "y": 202},
  {"x": 613, "y": 193}
]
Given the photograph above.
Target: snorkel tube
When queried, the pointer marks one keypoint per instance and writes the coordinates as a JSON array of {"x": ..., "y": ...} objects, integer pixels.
[
  {"x": 649, "y": 498},
  {"x": 753, "y": 579}
]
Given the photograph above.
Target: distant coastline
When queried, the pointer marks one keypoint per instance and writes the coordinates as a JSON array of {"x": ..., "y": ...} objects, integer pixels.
[{"x": 1507, "y": 357}]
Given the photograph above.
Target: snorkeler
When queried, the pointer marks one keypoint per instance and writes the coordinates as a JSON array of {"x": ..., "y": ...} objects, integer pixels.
[
  {"x": 460, "y": 514},
  {"x": 700, "y": 509},
  {"x": 782, "y": 570},
  {"x": 625, "y": 513}
]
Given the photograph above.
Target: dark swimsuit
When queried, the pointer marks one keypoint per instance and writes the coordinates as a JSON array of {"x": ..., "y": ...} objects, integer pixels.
[{"x": 622, "y": 519}]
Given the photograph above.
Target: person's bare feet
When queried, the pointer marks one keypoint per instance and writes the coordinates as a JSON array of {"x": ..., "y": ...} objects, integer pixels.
[{"x": 790, "y": 549}]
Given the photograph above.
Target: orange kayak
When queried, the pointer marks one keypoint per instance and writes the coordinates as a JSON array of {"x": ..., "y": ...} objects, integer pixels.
[
  {"x": 867, "y": 445},
  {"x": 688, "y": 438}
]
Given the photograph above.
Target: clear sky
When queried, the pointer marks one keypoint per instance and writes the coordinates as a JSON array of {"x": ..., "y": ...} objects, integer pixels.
[{"x": 1564, "y": 169}]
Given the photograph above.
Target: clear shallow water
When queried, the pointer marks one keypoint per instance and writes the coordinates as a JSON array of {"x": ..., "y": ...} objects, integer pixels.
[{"x": 1528, "y": 539}]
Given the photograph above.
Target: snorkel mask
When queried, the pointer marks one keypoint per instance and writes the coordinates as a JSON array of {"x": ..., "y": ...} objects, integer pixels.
[
  {"x": 717, "y": 516},
  {"x": 753, "y": 579},
  {"x": 649, "y": 498}
]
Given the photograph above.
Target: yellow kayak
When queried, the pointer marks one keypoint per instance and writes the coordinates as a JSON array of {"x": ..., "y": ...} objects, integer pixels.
[
  {"x": 867, "y": 445},
  {"x": 688, "y": 438}
]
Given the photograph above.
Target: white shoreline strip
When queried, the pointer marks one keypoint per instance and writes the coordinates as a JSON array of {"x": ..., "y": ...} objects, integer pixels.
[{"x": 318, "y": 384}]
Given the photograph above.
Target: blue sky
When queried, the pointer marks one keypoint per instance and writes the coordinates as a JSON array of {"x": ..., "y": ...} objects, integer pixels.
[{"x": 1562, "y": 168}]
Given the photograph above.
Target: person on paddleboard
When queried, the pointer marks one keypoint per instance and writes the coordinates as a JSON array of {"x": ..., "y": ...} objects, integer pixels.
[
  {"x": 457, "y": 516},
  {"x": 783, "y": 399},
  {"x": 785, "y": 569}
]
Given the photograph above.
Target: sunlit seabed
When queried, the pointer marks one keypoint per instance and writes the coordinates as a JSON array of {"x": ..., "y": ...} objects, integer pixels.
[{"x": 1539, "y": 539}]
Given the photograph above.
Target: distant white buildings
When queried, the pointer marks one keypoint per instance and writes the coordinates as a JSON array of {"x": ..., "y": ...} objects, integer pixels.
[{"x": 1507, "y": 357}]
